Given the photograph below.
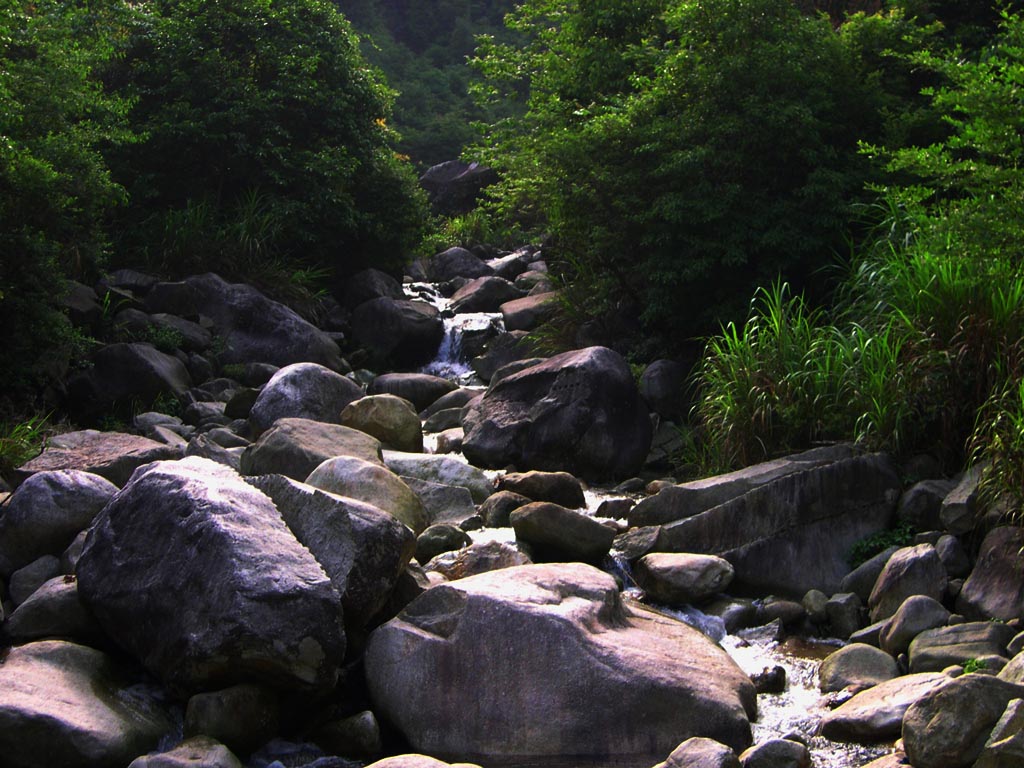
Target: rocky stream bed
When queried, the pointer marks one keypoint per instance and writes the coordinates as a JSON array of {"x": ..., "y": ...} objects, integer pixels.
[{"x": 315, "y": 565}]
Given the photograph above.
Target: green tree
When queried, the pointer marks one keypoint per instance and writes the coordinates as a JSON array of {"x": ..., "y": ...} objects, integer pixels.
[
  {"x": 55, "y": 190},
  {"x": 265, "y": 134}
]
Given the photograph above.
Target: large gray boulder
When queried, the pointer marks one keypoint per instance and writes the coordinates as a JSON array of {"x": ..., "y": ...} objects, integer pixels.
[
  {"x": 420, "y": 389},
  {"x": 122, "y": 373},
  {"x": 195, "y": 752},
  {"x": 454, "y": 186},
  {"x": 701, "y": 752},
  {"x": 295, "y": 447},
  {"x": 856, "y": 664},
  {"x": 53, "y": 610},
  {"x": 527, "y": 313},
  {"x": 66, "y": 705},
  {"x": 579, "y": 412},
  {"x": 559, "y": 534},
  {"x": 676, "y": 579},
  {"x": 398, "y": 332},
  {"x": 936, "y": 649},
  {"x": 250, "y": 327},
  {"x": 46, "y": 512},
  {"x": 370, "y": 284},
  {"x": 917, "y": 614},
  {"x": 948, "y": 727},
  {"x": 390, "y": 419},
  {"x": 545, "y": 661},
  {"x": 303, "y": 391},
  {"x": 995, "y": 588},
  {"x": 484, "y": 294},
  {"x": 113, "y": 455},
  {"x": 194, "y": 573},
  {"x": 445, "y": 470},
  {"x": 456, "y": 262},
  {"x": 910, "y": 571},
  {"x": 792, "y": 534},
  {"x": 360, "y": 547},
  {"x": 1005, "y": 745},
  {"x": 556, "y": 487},
  {"x": 877, "y": 714}
]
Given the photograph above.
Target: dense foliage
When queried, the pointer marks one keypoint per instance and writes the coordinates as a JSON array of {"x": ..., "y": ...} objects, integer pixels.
[{"x": 683, "y": 152}]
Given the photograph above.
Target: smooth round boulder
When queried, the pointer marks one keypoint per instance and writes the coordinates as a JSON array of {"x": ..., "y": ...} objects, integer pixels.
[
  {"x": 522, "y": 647},
  {"x": 578, "y": 412},
  {"x": 910, "y": 571},
  {"x": 112, "y": 455},
  {"x": 917, "y": 614},
  {"x": 438, "y": 538},
  {"x": 303, "y": 391},
  {"x": 420, "y": 389},
  {"x": 53, "y": 610},
  {"x": 496, "y": 508},
  {"x": 555, "y": 533},
  {"x": 456, "y": 262},
  {"x": 876, "y": 714},
  {"x": 373, "y": 483},
  {"x": 398, "y": 332},
  {"x": 529, "y": 312},
  {"x": 295, "y": 447},
  {"x": 390, "y": 419},
  {"x": 557, "y": 487},
  {"x": 935, "y": 649},
  {"x": 701, "y": 752},
  {"x": 46, "y": 512},
  {"x": 445, "y": 470},
  {"x": 417, "y": 761},
  {"x": 676, "y": 579},
  {"x": 63, "y": 704},
  {"x": 777, "y": 753},
  {"x": 196, "y": 752},
  {"x": 192, "y": 532},
  {"x": 484, "y": 294},
  {"x": 858, "y": 665}
]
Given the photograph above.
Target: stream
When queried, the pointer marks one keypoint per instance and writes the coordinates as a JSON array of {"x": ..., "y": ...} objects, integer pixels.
[{"x": 795, "y": 711}]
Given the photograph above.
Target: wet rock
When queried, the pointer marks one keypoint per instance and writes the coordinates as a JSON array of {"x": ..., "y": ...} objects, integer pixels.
[
  {"x": 243, "y": 717},
  {"x": 46, "y": 512},
  {"x": 497, "y": 508},
  {"x": 390, "y": 419},
  {"x": 362, "y": 549},
  {"x": 876, "y": 714},
  {"x": 917, "y": 614},
  {"x": 477, "y": 558},
  {"x": 112, "y": 455},
  {"x": 374, "y": 484},
  {"x": 53, "y": 610},
  {"x": 701, "y": 752},
  {"x": 859, "y": 665},
  {"x": 736, "y": 613},
  {"x": 959, "y": 510},
  {"x": 777, "y": 753},
  {"x": 578, "y": 412},
  {"x": 770, "y": 680},
  {"x": 948, "y": 727},
  {"x": 438, "y": 538},
  {"x": 676, "y": 579},
  {"x": 936, "y": 649},
  {"x": 484, "y": 294},
  {"x": 527, "y": 313},
  {"x": 398, "y": 332},
  {"x": 910, "y": 571},
  {"x": 555, "y": 533},
  {"x": 789, "y": 612},
  {"x": 861, "y": 580},
  {"x": 450, "y": 441},
  {"x": 261, "y": 609},
  {"x": 995, "y": 588},
  {"x": 420, "y": 389},
  {"x": 557, "y": 487},
  {"x": 793, "y": 533},
  {"x": 63, "y": 704},
  {"x": 303, "y": 391},
  {"x": 295, "y": 447},
  {"x": 533, "y": 642},
  {"x": 445, "y": 470},
  {"x": 196, "y": 752}
]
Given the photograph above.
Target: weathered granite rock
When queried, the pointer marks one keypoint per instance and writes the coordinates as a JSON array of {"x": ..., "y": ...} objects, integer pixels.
[
  {"x": 46, "y": 512},
  {"x": 420, "y": 389},
  {"x": 843, "y": 612},
  {"x": 995, "y": 588},
  {"x": 390, "y": 419},
  {"x": 917, "y": 614},
  {"x": 476, "y": 558},
  {"x": 445, "y": 470},
  {"x": 370, "y": 284},
  {"x": 456, "y": 262},
  {"x": 438, "y": 538},
  {"x": 792, "y": 534},
  {"x": 63, "y": 704},
  {"x": 196, "y": 752},
  {"x": 522, "y": 647},
  {"x": 527, "y": 313},
  {"x": 579, "y": 412},
  {"x": 303, "y": 391},
  {"x": 362, "y": 549},
  {"x": 877, "y": 714},
  {"x": 484, "y": 294},
  {"x": 557, "y": 487},
  {"x": 295, "y": 447},
  {"x": 496, "y": 509},
  {"x": 191, "y": 532},
  {"x": 857, "y": 664},
  {"x": 959, "y": 510},
  {"x": 676, "y": 579},
  {"x": 1005, "y": 745},
  {"x": 453, "y": 188},
  {"x": 113, "y": 455},
  {"x": 920, "y": 504},
  {"x": 861, "y": 580},
  {"x": 777, "y": 753},
  {"x": 701, "y": 752},
  {"x": 53, "y": 610},
  {"x": 243, "y": 717},
  {"x": 910, "y": 571},
  {"x": 373, "y": 483},
  {"x": 396, "y": 331},
  {"x": 948, "y": 727},
  {"x": 443, "y": 503},
  {"x": 555, "y": 533},
  {"x": 935, "y": 649},
  {"x": 417, "y": 761}
]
